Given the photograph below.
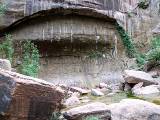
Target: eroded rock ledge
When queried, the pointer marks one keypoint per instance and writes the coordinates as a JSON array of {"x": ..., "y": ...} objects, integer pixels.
[{"x": 20, "y": 11}]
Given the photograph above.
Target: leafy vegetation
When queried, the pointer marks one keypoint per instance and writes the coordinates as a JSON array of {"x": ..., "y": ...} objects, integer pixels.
[
  {"x": 143, "y": 4},
  {"x": 96, "y": 54},
  {"x": 55, "y": 116},
  {"x": 141, "y": 60},
  {"x": 30, "y": 59},
  {"x": 6, "y": 48},
  {"x": 127, "y": 41},
  {"x": 129, "y": 94},
  {"x": 156, "y": 101},
  {"x": 154, "y": 53},
  {"x": 3, "y": 8}
]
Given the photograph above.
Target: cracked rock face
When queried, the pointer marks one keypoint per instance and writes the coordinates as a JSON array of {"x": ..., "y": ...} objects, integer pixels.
[{"x": 27, "y": 98}]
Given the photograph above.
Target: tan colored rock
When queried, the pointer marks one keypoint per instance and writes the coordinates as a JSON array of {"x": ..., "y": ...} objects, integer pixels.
[
  {"x": 134, "y": 77},
  {"x": 146, "y": 91},
  {"x": 79, "y": 90},
  {"x": 103, "y": 85},
  {"x": 73, "y": 100},
  {"x": 5, "y": 64},
  {"x": 134, "y": 109},
  {"x": 97, "y": 92},
  {"x": 96, "y": 109},
  {"x": 27, "y": 98}
]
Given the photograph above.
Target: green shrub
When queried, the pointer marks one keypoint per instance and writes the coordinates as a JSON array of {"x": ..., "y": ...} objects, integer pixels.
[
  {"x": 127, "y": 41},
  {"x": 154, "y": 53},
  {"x": 92, "y": 118},
  {"x": 95, "y": 54},
  {"x": 6, "y": 48},
  {"x": 30, "y": 60},
  {"x": 2, "y": 9},
  {"x": 55, "y": 115},
  {"x": 143, "y": 4},
  {"x": 141, "y": 60},
  {"x": 156, "y": 101},
  {"x": 155, "y": 42}
]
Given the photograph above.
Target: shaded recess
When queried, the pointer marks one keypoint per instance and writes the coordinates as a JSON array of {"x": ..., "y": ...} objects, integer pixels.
[{"x": 78, "y": 45}]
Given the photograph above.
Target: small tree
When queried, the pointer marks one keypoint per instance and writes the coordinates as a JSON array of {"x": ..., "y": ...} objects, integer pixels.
[
  {"x": 30, "y": 59},
  {"x": 6, "y": 48}
]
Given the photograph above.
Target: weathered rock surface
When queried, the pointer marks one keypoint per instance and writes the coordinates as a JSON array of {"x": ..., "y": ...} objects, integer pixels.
[
  {"x": 73, "y": 100},
  {"x": 27, "y": 98},
  {"x": 134, "y": 77},
  {"x": 134, "y": 109},
  {"x": 5, "y": 64},
  {"x": 28, "y": 9},
  {"x": 79, "y": 90},
  {"x": 96, "y": 92},
  {"x": 148, "y": 90},
  {"x": 137, "y": 86},
  {"x": 103, "y": 85},
  {"x": 80, "y": 113},
  {"x": 156, "y": 30},
  {"x": 76, "y": 23}
]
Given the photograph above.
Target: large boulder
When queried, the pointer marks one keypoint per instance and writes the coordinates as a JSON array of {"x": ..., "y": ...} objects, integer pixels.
[
  {"x": 134, "y": 109},
  {"x": 148, "y": 90},
  {"x": 93, "y": 109},
  {"x": 135, "y": 77},
  {"x": 97, "y": 92},
  {"x": 27, "y": 98},
  {"x": 5, "y": 64}
]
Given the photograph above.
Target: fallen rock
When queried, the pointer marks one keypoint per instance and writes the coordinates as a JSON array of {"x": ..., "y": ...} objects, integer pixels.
[
  {"x": 82, "y": 112},
  {"x": 103, "y": 85},
  {"x": 105, "y": 90},
  {"x": 156, "y": 30},
  {"x": 137, "y": 86},
  {"x": 76, "y": 94},
  {"x": 5, "y": 64},
  {"x": 79, "y": 90},
  {"x": 111, "y": 94},
  {"x": 148, "y": 90},
  {"x": 134, "y": 109},
  {"x": 134, "y": 77},
  {"x": 24, "y": 98},
  {"x": 115, "y": 88},
  {"x": 72, "y": 101},
  {"x": 96, "y": 92}
]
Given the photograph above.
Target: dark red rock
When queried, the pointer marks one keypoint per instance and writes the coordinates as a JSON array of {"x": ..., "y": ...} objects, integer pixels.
[{"x": 27, "y": 98}]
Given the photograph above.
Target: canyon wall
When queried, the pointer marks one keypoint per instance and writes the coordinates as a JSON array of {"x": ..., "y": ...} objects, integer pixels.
[{"x": 77, "y": 39}]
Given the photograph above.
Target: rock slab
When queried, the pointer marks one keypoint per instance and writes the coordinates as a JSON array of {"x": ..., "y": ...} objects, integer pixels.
[
  {"x": 135, "y": 77},
  {"x": 93, "y": 109},
  {"x": 134, "y": 109},
  {"x": 27, "y": 98},
  {"x": 148, "y": 90},
  {"x": 5, "y": 64}
]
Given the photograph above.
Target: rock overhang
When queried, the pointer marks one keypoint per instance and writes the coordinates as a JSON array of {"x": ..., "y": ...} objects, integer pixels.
[{"x": 18, "y": 12}]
